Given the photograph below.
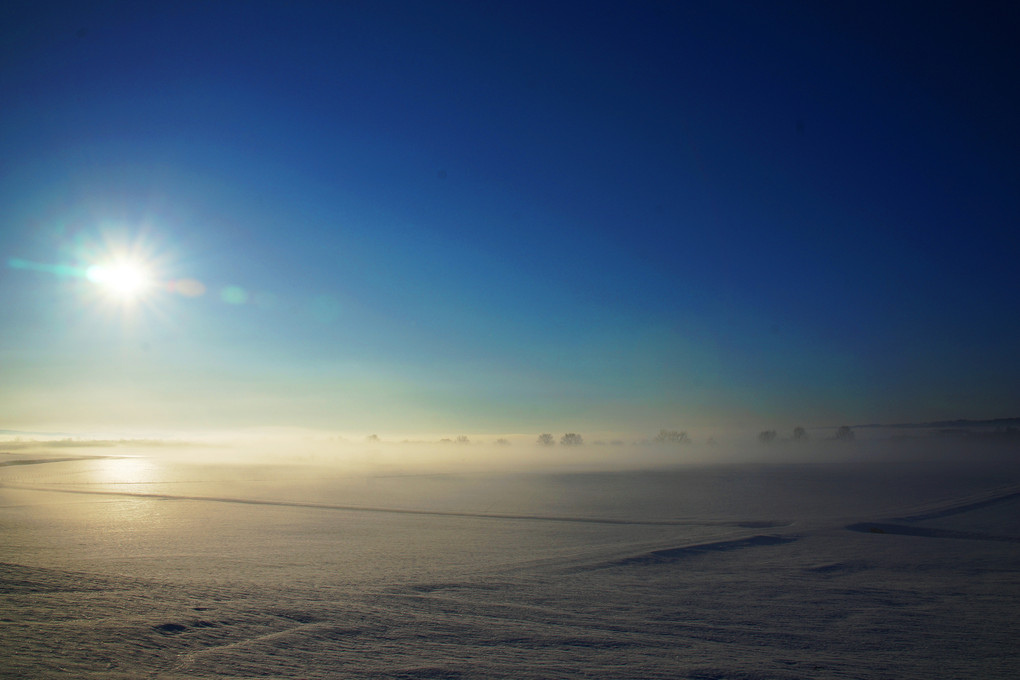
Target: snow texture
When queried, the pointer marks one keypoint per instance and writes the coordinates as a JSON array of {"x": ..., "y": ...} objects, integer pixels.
[{"x": 711, "y": 572}]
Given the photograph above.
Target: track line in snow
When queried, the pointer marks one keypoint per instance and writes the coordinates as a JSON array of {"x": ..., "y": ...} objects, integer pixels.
[
  {"x": 956, "y": 509},
  {"x": 669, "y": 555},
  {"x": 40, "y": 461},
  {"x": 403, "y": 511},
  {"x": 926, "y": 532}
]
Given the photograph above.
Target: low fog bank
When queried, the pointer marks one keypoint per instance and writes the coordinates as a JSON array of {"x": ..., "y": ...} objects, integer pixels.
[
  {"x": 514, "y": 453},
  {"x": 635, "y": 455}
]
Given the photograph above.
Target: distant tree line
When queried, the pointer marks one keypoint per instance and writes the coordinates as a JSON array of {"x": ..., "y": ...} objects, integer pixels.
[
  {"x": 569, "y": 439},
  {"x": 667, "y": 437},
  {"x": 843, "y": 434},
  {"x": 672, "y": 437}
]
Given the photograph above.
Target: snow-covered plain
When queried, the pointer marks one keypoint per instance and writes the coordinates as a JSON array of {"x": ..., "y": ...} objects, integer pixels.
[{"x": 146, "y": 566}]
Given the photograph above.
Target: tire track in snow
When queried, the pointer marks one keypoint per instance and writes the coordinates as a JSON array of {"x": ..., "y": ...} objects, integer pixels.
[{"x": 405, "y": 511}]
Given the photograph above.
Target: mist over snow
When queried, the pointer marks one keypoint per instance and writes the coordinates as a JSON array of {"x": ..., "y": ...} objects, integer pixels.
[{"x": 372, "y": 454}]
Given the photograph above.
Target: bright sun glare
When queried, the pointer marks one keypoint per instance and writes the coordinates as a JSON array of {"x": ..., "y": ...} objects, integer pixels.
[{"x": 125, "y": 281}]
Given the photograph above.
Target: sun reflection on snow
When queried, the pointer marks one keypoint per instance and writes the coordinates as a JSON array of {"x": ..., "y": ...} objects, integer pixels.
[
  {"x": 119, "y": 489},
  {"x": 123, "y": 470}
]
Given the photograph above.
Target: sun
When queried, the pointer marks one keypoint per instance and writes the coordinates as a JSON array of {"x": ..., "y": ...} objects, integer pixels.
[{"x": 124, "y": 280}]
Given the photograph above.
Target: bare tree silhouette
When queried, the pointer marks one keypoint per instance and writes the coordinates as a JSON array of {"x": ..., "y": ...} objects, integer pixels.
[
  {"x": 571, "y": 439},
  {"x": 672, "y": 437},
  {"x": 546, "y": 440}
]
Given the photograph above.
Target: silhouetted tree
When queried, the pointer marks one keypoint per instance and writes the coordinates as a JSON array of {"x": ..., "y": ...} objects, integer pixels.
[
  {"x": 845, "y": 434},
  {"x": 461, "y": 439},
  {"x": 799, "y": 434},
  {"x": 372, "y": 439},
  {"x": 546, "y": 440},
  {"x": 672, "y": 437},
  {"x": 571, "y": 439},
  {"x": 767, "y": 436}
]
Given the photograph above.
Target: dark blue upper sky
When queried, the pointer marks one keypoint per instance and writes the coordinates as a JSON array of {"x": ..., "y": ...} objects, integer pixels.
[{"x": 515, "y": 216}]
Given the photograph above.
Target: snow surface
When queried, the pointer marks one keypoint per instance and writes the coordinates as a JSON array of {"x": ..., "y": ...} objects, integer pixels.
[{"x": 144, "y": 567}]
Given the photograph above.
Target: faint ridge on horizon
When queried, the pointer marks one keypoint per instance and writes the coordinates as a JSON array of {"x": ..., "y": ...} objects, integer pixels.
[
  {"x": 25, "y": 433},
  {"x": 960, "y": 422}
]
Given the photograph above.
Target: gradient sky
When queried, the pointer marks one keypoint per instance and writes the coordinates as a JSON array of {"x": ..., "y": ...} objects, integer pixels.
[{"x": 510, "y": 217}]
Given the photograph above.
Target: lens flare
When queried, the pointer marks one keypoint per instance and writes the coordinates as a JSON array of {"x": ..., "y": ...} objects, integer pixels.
[
  {"x": 234, "y": 295},
  {"x": 187, "y": 287}
]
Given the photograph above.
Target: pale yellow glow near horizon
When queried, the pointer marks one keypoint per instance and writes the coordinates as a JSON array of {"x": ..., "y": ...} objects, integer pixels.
[{"x": 125, "y": 281}]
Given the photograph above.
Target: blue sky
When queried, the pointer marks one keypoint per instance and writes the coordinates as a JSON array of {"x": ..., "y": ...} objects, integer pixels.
[{"x": 476, "y": 217}]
